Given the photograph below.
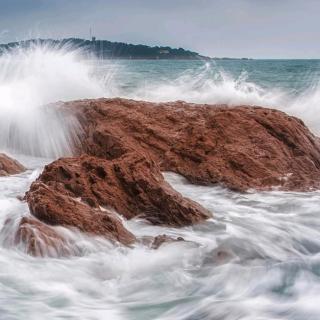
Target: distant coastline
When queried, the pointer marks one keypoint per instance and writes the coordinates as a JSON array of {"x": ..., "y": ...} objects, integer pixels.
[{"x": 110, "y": 50}]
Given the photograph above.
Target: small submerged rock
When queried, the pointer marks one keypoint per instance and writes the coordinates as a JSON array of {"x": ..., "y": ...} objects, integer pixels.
[
  {"x": 40, "y": 240},
  {"x": 35, "y": 238},
  {"x": 9, "y": 166},
  {"x": 158, "y": 241},
  {"x": 219, "y": 256}
]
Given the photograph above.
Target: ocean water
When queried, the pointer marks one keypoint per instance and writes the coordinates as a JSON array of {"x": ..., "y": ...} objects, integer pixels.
[{"x": 271, "y": 240}]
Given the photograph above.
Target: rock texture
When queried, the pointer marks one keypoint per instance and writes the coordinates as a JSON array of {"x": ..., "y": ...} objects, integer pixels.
[
  {"x": 9, "y": 166},
  {"x": 237, "y": 147},
  {"x": 35, "y": 238},
  {"x": 59, "y": 209},
  {"x": 126, "y": 144},
  {"x": 132, "y": 185},
  {"x": 40, "y": 240}
]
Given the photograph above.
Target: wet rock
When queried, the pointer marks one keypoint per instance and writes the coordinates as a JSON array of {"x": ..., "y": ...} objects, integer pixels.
[
  {"x": 237, "y": 147},
  {"x": 35, "y": 238},
  {"x": 161, "y": 239},
  {"x": 9, "y": 166},
  {"x": 131, "y": 184},
  {"x": 20, "y": 197},
  {"x": 41, "y": 240},
  {"x": 60, "y": 209},
  {"x": 219, "y": 256}
]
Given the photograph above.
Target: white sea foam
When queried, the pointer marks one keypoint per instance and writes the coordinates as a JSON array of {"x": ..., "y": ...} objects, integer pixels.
[{"x": 268, "y": 269}]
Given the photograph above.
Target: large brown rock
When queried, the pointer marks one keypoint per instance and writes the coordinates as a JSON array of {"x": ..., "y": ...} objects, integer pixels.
[
  {"x": 9, "y": 166},
  {"x": 132, "y": 185},
  {"x": 237, "y": 147}
]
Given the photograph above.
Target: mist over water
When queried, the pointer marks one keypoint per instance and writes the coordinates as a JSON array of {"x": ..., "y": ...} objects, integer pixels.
[{"x": 258, "y": 258}]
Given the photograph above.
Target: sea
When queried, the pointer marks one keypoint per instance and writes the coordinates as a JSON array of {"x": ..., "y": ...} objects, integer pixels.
[{"x": 272, "y": 239}]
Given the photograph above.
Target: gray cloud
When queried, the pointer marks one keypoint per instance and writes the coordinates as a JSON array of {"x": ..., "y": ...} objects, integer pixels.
[{"x": 238, "y": 28}]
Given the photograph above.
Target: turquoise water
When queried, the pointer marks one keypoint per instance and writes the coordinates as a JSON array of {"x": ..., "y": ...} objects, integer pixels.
[
  {"x": 271, "y": 269},
  {"x": 293, "y": 76}
]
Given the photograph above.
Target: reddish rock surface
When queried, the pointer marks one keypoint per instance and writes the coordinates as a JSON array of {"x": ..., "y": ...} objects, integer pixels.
[
  {"x": 59, "y": 209},
  {"x": 132, "y": 185},
  {"x": 35, "y": 238},
  {"x": 9, "y": 166},
  {"x": 237, "y": 147},
  {"x": 40, "y": 240}
]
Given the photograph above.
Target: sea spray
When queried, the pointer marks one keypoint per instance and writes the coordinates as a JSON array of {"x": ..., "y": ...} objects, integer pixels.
[
  {"x": 307, "y": 107},
  {"x": 209, "y": 82},
  {"x": 29, "y": 80}
]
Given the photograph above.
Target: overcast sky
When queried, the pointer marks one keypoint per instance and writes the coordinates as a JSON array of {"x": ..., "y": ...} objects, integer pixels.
[{"x": 234, "y": 28}]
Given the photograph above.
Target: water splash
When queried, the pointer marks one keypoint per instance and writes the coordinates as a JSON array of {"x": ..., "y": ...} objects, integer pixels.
[
  {"x": 30, "y": 79},
  {"x": 209, "y": 84},
  {"x": 307, "y": 106},
  {"x": 213, "y": 85}
]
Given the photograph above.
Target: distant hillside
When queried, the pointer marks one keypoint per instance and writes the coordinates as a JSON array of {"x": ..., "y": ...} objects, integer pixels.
[{"x": 110, "y": 50}]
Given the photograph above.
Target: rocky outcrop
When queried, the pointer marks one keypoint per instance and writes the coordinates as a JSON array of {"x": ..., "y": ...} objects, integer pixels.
[
  {"x": 237, "y": 147},
  {"x": 126, "y": 144},
  {"x": 131, "y": 184},
  {"x": 9, "y": 166},
  {"x": 59, "y": 209}
]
